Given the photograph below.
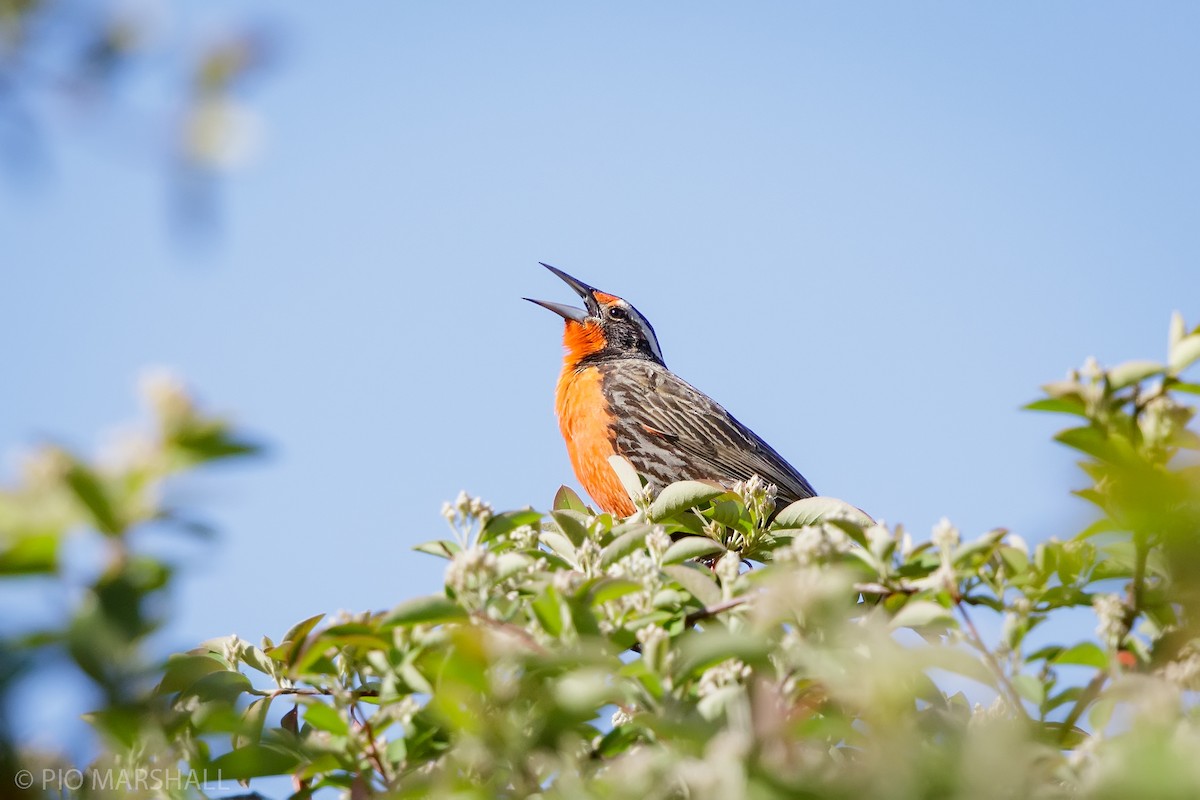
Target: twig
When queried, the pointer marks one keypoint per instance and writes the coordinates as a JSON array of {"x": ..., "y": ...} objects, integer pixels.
[
  {"x": 515, "y": 630},
  {"x": 713, "y": 610},
  {"x": 1086, "y": 697},
  {"x": 880, "y": 589},
  {"x": 372, "y": 750},
  {"x": 976, "y": 640},
  {"x": 355, "y": 693}
]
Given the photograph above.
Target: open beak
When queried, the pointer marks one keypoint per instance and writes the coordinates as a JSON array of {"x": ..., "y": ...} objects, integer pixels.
[{"x": 570, "y": 313}]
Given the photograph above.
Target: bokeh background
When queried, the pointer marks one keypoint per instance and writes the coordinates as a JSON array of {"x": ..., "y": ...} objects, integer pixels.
[{"x": 870, "y": 230}]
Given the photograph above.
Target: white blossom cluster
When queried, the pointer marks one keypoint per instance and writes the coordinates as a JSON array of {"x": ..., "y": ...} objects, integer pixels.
[
  {"x": 1110, "y": 611},
  {"x": 166, "y": 395},
  {"x": 467, "y": 517},
  {"x": 1184, "y": 672},
  {"x": 643, "y": 566},
  {"x": 471, "y": 571},
  {"x": 815, "y": 544},
  {"x": 758, "y": 496},
  {"x": 945, "y": 538},
  {"x": 730, "y": 672}
]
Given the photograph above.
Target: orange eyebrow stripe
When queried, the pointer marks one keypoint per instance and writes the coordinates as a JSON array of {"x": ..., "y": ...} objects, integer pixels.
[{"x": 605, "y": 297}]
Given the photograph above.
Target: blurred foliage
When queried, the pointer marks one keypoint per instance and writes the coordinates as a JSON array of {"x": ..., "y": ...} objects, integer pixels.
[
  {"x": 66, "y": 504},
  {"x": 710, "y": 646},
  {"x": 130, "y": 66}
]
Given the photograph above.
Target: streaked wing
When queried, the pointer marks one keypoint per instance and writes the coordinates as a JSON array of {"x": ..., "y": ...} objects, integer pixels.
[{"x": 670, "y": 430}]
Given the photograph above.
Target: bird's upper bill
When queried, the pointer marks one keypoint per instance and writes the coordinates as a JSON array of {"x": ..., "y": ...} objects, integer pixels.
[{"x": 592, "y": 298}]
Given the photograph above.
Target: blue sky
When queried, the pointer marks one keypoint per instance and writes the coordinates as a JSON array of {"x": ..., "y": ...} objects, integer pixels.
[{"x": 870, "y": 230}]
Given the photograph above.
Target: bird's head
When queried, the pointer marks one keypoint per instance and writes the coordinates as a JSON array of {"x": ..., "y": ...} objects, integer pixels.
[{"x": 607, "y": 326}]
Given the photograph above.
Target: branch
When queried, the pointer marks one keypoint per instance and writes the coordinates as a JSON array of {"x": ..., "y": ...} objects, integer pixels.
[
  {"x": 713, "y": 610},
  {"x": 1086, "y": 698},
  {"x": 976, "y": 641},
  {"x": 354, "y": 693},
  {"x": 507, "y": 627}
]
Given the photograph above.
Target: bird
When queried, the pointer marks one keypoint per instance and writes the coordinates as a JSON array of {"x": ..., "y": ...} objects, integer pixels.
[{"x": 616, "y": 396}]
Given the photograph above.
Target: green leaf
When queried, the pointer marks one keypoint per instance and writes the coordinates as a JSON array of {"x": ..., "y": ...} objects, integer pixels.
[
  {"x": 623, "y": 545},
  {"x": 813, "y": 510},
  {"x": 30, "y": 555},
  {"x": 95, "y": 499},
  {"x": 699, "y": 650},
  {"x": 584, "y": 620},
  {"x": 433, "y": 609},
  {"x": 680, "y": 496},
  {"x": 922, "y": 614},
  {"x": 612, "y": 588},
  {"x": 618, "y": 740},
  {"x": 583, "y": 691},
  {"x": 442, "y": 548},
  {"x": 1030, "y": 688},
  {"x": 567, "y": 499},
  {"x": 727, "y": 513},
  {"x": 1059, "y": 405},
  {"x": 253, "y": 761},
  {"x": 958, "y": 661},
  {"x": 559, "y": 544},
  {"x": 1176, "y": 331},
  {"x": 301, "y": 629},
  {"x": 253, "y": 720},
  {"x": 627, "y": 475},
  {"x": 225, "y": 685},
  {"x": 1132, "y": 372},
  {"x": 547, "y": 607},
  {"x": 697, "y": 581},
  {"x": 572, "y": 524},
  {"x": 1184, "y": 353},
  {"x": 211, "y": 440},
  {"x": 184, "y": 670},
  {"x": 508, "y": 522},
  {"x": 326, "y": 718},
  {"x": 1094, "y": 442},
  {"x": 691, "y": 547},
  {"x": 1086, "y": 654}
]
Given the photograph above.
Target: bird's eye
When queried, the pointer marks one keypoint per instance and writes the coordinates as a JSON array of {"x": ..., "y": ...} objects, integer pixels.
[{"x": 617, "y": 312}]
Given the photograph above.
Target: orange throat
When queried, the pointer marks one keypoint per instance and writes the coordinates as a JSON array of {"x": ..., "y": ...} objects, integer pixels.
[{"x": 587, "y": 426}]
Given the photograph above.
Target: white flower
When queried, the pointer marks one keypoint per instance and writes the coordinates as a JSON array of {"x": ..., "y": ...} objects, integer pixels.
[
  {"x": 657, "y": 542},
  {"x": 815, "y": 543},
  {"x": 1091, "y": 369},
  {"x": 998, "y": 710},
  {"x": 1110, "y": 610},
  {"x": 643, "y": 498},
  {"x": 1161, "y": 419},
  {"x": 567, "y": 581},
  {"x": 757, "y": 495},
  {"x": 524, "y": 537},
  {"x": 728, "y": 568},
  {"x": 945, "y": 536},
  {"x": 878, "y": 535},
  {"x": 730, "y": 672},
  {"x": 621, "y": 717},
  {"x": 470, "y": 568},
  {"x": 165, "y": 393},
  {"x": 406, "y": 709},
  {"x": 906, "y": 543},
  {"x": 588, "y": 555},
  {"x": 944, "y": 578},
  {"x": 1184, "y": 673}
]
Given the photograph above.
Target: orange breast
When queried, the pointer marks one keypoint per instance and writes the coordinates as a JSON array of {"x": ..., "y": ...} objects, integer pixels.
[{"x": 586, "y": 424}]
